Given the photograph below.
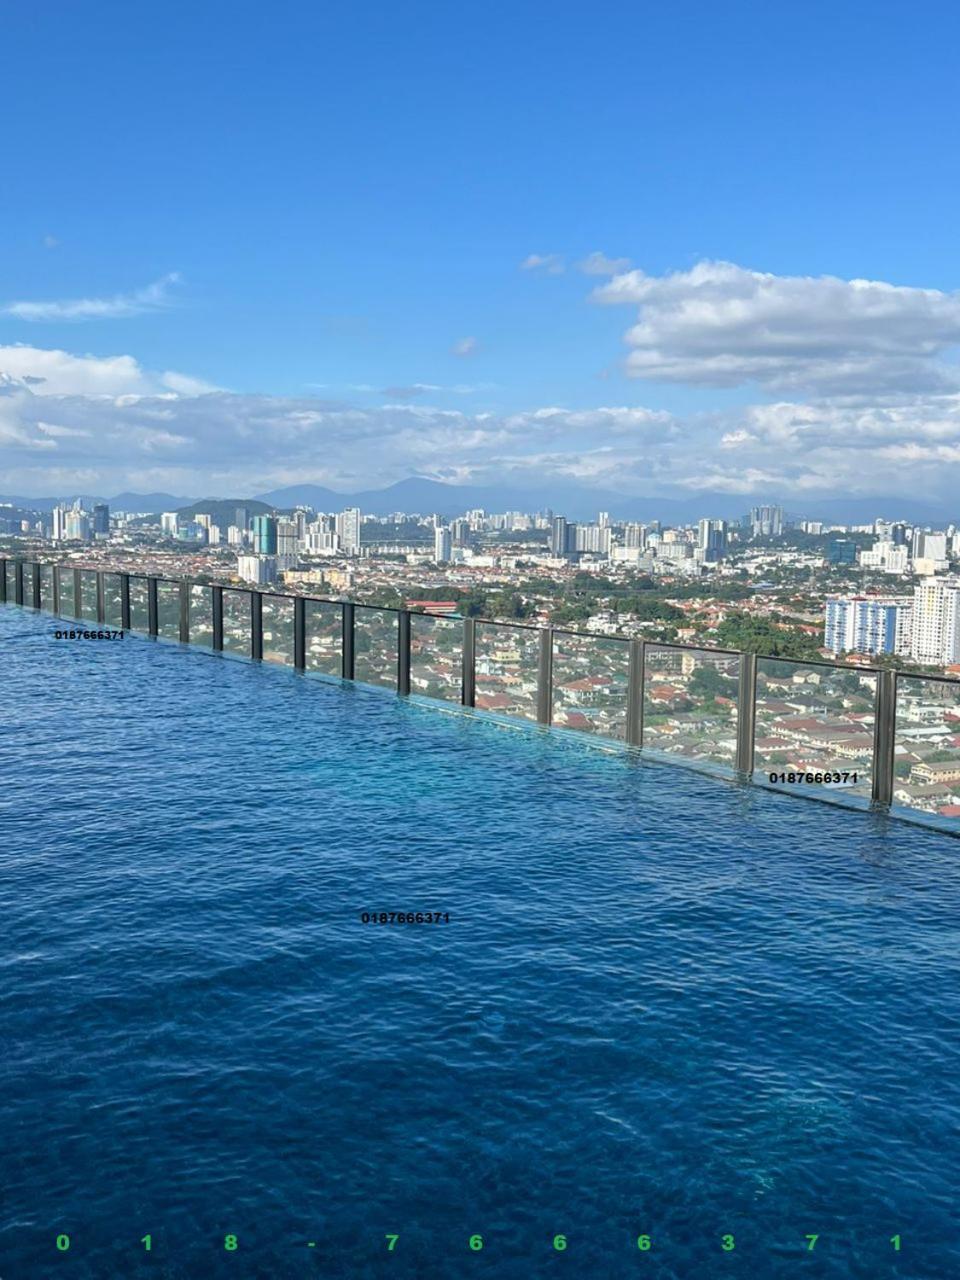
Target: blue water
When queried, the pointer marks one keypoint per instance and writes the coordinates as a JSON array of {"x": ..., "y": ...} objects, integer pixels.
[{"x": 663, "y": 1004}]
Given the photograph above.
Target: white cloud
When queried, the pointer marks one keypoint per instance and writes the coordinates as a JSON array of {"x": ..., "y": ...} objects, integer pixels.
[
  {"x": 550, "y": 264},
  {"x": 464, "y": 347},
  {"x": 121, "y": 305},
  {"x": 598, "y": 264},
  {"x": 51, "y": 372},
  {"x": 723, "y": 325}
]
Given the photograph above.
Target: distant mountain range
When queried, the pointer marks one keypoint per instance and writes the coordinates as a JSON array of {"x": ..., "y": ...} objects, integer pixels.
[{"x": 576, "y": 501}]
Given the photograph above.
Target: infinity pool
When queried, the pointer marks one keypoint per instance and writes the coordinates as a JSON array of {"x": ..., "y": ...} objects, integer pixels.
[{"x": 663, "y": 1005}]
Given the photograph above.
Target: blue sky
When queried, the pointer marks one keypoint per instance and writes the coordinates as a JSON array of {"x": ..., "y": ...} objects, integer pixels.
[{"x": 345, "y": 193}]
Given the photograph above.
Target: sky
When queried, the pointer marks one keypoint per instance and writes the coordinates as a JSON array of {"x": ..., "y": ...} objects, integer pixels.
[{"x": 657, "y": 249}]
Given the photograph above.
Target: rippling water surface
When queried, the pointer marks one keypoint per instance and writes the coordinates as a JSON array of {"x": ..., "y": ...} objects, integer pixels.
[{"x": 663, "y": 1004}]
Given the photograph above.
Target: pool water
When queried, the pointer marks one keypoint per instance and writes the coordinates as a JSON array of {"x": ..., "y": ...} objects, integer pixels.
[{"x": 663, "y": 1005}]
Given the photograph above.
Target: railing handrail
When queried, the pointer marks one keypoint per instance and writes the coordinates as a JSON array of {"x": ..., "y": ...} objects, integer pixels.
[{"x": 546, "y": 691}]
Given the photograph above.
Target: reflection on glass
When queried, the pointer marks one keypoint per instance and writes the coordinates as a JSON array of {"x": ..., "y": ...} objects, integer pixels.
[
  {"x": 815, "y": 719},
  {"x": 591, "y": 678},
  {"x": 507, "y": 665},
  {"x": 324, "y": 637},
  {"x": 139, "y": 608},
  {"x": 690, "y": 703},
  {"x": 88, "y": 595},
  {"x": 927, "y": 747},
  {"x": 46, "y": 587},
  {"x": 436, "y": 657},
  {"x": 201, "y": 616},
  {"x": 278, "y": 629},
  {"x": 168, "y": 610},
  {"x": 67, "y": 593},
  {"x": 112, "y": 610},
  {"x": 375, "y": 646},
  {"x": 237, "y": 622}
]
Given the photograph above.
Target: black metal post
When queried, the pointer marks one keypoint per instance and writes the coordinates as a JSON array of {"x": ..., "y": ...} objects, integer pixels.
[
  {"x": 256, "y": 625},
  {"x": 18, "y": 581},
  {"x": 347, "y": 656},
  {"x": 468, "y": 681},
  {"x": 884, "y": 737},
  {"x": 55, "y": 575},
  {"x": 545, "y": 677},
  {"x": 299, "y": 633},
  {"x": 217, "y": 612},
  {"x": 184, "y": 611},
  {"x": 746, "y": 713},
  {"x": 153, "y": 612},
  {"x": 101, "y": 599},
  {"x": 35, "y": 585},
  {"x": 3, "y": 581},
  {"x": 77, "y": 594},
  {"x": 635, "y": 695},
  {"x": 403, "y": 652},
  {"x": 124, "y": 602}
]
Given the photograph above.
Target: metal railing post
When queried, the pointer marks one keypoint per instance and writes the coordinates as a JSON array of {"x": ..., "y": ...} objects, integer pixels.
[
  {"x": 153, "y": 612},
  {"x": 299, "y": 633},
  {"x": 746, "y": 713},
  {"x": 347, "y": 655},
  {"x": 635, "y": 694},
  {"x": 3, "y": 581},
  {"x": 18, "y": 581},
  {"x": 545, "y": 677},
  {"x": 216, "y": 603},
  {"x": 184, "y": 610},
  {"x": 256, "y": 625},
  {"x": 403, "y": 652},
  {"x": 124, "y": 602},
  {"x": 101, "y": 598},
  {"x": 55, "y": 588},
  {"x": 468, "y": 678},
  {"x": 77, "y": 594},
  {"x": 35, "y": 585},
  {"x": 884, "y": 737}
]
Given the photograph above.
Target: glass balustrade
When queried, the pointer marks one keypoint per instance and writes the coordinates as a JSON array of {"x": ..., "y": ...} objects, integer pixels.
[
  {"x": 591, "y": 677},
  {"x": 112, "y": 601},
  {"x": 46, "y": 587},
  {"x": 278, "y": 629},
  {"x": 168, "y": 609},
  {"x": 436, "y": 657},
  {"x": 201, "y": 615},
  {"x": 237, "y": 622},
  {"x": 815, "y": 727},
  {"x": 139, "y": 607},
  {"x": 375, "y": 636},
  {"x": 926, "y": 759},
  {"x": 324, "y": 637},
  {"x": 68, "y": 595},
  {"x": 506, "y": 669},
  {"x": 690, "y": 699},
  {"x": 88, "y": 595}
]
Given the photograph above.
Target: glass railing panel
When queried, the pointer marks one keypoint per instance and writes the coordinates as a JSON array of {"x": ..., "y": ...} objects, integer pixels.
[
  {"x": 201, "y": 615},
  {"x": 436, "y": 657},
  {"x": 507, "y": 663},
  {"x": 88, "y": 595},
  {"x": 926, "y": 769},
  {"x": 237, "y": 620},
  {"x": 168, "y": 610},
  {"x": 10, "y": 576},
  {"x": 375, "y": 646},
  {"x": 324, "y": 637},
  {"x": 112, "y": 601},
  {"x": 278, "y": 629},
  {"x": 46, "y": 587},
  {"x": 591, "y": 678},
  {"x": 690, "y": 701},
  {"x": 68, "y": 600},
  {"x": 139, "y": 608},
  {"x": 815, "y": 720}
]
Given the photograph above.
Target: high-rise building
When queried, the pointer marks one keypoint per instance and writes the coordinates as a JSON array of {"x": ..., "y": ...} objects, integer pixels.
[
  {"x": 257, "y": 569},
  {"x": 712, "y": 539},
  {"x": 867, "y": 624},
  {"x": 288, "y": 542},
  {"x": 935, "y": 624},
  {"x": 265, "y": 535},
  {"x": 766, "y": 522},
  {"x": 59, "y": 524},
  {"x": 635, "y": 535},
  {"x": 558, "y": 536},
  {"x": 603, "y": 519},
  {"x": 235, "y": 535},
  {"x": 101, "y": 520},
  {"x": 592, "y": 537},
  {"x": 442, "y": 544},
  {"x": 348, "y": 529},
  {"x": 460, "y": 532},
  {"x": 841, "y": 551},
  {"x": 168, "y": 523},
  {"x": 77, "y": 525}
]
